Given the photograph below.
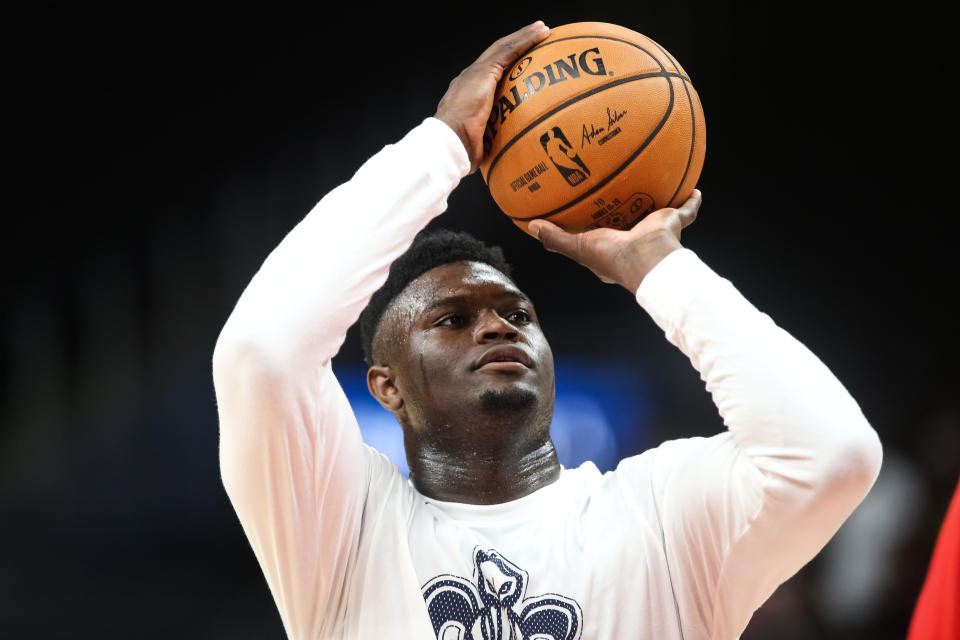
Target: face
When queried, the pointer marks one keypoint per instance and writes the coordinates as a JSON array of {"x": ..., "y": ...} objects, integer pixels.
[{"x": 460, "y": 343}]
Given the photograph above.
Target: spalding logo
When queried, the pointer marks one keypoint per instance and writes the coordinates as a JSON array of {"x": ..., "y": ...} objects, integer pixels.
[
  {"x": 557, "y": 71},
  {"x": 521, "y": 66}
]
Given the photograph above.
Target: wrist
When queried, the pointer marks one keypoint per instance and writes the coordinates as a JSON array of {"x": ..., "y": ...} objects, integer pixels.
[
  {"x": 646, "y": 254},
  {"x": 456, "y": 126}
]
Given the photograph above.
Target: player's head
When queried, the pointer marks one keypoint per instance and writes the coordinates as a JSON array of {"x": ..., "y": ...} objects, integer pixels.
[
  {"x": 448, "y": 306},
  {"x": 430, "y": 248}
]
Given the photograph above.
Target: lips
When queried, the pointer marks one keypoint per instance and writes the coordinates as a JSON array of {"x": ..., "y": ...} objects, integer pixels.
[{"x": 504, "y": 354}]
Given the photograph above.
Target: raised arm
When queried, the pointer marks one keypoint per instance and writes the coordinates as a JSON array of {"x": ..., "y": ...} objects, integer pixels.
[
  {"x": 291, "y": 455},
  {"x": 743, "y": 511}
]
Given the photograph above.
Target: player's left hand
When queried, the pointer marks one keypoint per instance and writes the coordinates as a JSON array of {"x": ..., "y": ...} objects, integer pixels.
[
  {"x": 466, "y": 105},
  {"x": 622, "y": 257}
]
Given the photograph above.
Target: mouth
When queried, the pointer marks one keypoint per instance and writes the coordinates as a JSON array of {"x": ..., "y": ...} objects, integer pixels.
[{"x": 505, "y": 358}]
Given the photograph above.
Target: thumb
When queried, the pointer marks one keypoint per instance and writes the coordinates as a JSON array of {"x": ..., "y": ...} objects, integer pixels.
[{"x": 555, "y": 239}]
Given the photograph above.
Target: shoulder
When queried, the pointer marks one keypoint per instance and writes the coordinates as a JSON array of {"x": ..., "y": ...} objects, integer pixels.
[
  {"x": 387, "y": 490},
  {"x": 658, "y": 460},
  {"x": 641, "y": 479},
  {"x": 671, "y": 455}
]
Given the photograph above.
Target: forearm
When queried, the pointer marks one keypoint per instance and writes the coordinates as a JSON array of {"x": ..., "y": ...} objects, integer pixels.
[
  {"x": 801, "y": 457},
  {"x": 313, "y": 286},
  {"x": 777, "y": 398},
  {"x": 271, "y": 364}
]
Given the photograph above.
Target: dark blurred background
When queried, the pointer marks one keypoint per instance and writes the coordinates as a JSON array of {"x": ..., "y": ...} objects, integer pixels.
[{"x": 155, "y": 156}]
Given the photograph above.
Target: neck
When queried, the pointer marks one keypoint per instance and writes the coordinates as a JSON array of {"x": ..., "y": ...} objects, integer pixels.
[{"x": 483, "y": 476}]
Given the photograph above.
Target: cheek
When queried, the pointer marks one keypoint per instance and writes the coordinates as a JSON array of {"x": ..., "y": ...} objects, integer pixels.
[
  {"x": 431, "y": 364},
  {"x": 548, "y": 363},
  {"x": 544, "y": 353}
]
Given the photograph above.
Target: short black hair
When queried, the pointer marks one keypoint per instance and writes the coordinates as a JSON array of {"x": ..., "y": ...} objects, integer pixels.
[{"x": 431, "y": 248}]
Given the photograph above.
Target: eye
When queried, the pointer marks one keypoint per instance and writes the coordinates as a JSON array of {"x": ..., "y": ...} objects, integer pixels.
[
  {"x": 520, "y": 316},
  {"x": 450, "y": 320}
]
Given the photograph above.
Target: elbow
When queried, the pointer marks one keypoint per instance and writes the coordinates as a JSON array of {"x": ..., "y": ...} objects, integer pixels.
[
  {"x": 235, "y": 354},
  {"x": 245, "y": 384},
  {"x": 854, "y": 461},
  {"x": 227, "y": 352},
  {"x": 248, "y": 378}
]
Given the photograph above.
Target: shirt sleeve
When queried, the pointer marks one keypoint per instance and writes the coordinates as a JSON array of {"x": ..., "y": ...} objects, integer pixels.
[
  {"x": 743, "y": 511},
  {"x": 291, "y": 456}
]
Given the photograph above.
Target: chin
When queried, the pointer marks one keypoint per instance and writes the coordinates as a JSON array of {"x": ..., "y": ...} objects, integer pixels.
[{"x": 512, "y": 398}]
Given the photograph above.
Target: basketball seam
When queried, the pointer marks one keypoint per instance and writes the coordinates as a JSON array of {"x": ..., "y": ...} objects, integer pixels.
[
  {"x": 613, "y": 174},
  {"x": 573, "y": 100},
  {"x": 632, "y": 44},
  {"x": 676, "y": 65},
  {"x": 591, "y": 92},
  {"x": 693, "y": 125},
  {"x": 693, "y": 142}
]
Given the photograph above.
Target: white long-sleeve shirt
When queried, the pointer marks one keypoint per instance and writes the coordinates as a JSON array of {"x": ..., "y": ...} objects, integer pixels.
[{"x": 684, "y": 541}]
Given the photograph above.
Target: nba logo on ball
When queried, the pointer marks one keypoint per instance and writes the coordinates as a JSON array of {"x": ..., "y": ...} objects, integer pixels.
[
  {"x": 596, "y": 126},
  {"x": 567, "y": 162}
]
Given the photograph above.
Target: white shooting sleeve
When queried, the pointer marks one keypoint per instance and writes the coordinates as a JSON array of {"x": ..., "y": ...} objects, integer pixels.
[{"x": 292, "y": 459}]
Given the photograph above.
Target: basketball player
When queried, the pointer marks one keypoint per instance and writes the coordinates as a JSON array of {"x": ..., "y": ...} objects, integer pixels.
[{"x": 490, "y": 538}]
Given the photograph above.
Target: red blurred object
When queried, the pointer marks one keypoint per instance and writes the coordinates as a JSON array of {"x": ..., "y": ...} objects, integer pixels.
[{"x": 937, "y": 614}]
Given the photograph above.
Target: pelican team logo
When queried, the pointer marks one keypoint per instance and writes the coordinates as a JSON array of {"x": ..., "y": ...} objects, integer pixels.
[{"x": 494, "y": 606}]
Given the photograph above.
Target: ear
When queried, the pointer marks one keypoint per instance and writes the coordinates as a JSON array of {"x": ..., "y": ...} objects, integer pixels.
[{"x": 383, "y": 388}]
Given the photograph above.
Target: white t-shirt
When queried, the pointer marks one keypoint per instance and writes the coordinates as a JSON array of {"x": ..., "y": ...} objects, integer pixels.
[{"x": 684, "y": 541}]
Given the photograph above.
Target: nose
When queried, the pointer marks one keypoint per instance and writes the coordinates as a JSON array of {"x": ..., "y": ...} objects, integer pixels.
[{"x": 491, "y": 326}]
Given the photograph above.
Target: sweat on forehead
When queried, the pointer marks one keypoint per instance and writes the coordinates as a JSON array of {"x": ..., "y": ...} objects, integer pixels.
[
  {"x": 438, "y": 286},
  {"x": 444, "y": 283},
  {"x": 430, "y": 249}
]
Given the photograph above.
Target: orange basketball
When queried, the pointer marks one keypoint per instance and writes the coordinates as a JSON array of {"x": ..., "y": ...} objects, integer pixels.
[{"x": 596, "y": 126}]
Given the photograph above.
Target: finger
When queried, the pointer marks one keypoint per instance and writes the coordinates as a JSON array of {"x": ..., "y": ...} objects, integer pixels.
[
  {"x": 555, "y": 239},
  {"x": 505, "y": 51},
  {"x": 689, "y": 209}
]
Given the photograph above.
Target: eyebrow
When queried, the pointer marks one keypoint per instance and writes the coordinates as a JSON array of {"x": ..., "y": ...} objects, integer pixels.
[{"x": 452, "y": 300}]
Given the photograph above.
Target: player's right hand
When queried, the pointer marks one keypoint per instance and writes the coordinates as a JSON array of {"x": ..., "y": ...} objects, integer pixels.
[
  {"x": 467, "y": 104},
  {"x": 623, "y": 257}
]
